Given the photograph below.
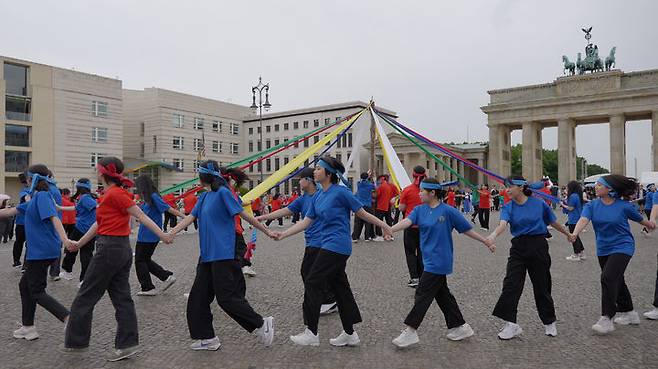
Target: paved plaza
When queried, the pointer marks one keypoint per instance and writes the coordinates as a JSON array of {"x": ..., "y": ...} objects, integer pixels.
[{"x": 378, "y": 276}]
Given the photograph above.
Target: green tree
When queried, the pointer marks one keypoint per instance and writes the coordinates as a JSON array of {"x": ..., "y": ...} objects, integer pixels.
[
  {"x": 593, "y": 169},
  {"x": 550, "y": 163}
]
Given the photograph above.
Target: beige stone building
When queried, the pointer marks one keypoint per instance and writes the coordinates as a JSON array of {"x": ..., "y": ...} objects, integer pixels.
[{"x": 59, "y": 117}]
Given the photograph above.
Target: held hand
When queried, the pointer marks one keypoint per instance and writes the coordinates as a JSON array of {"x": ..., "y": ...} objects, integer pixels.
[
  {"x": 168, "y": 238},
  {"x": 259, "y": 218},
  {"x": 491, "y": 237},
  {"x": 571, "y": 237},
  {"x": 652, "y": 226},
  {"x": 72, "y": 246},
  {"x": 388, "y": 233},
  {"x": 490, "y": 244}
]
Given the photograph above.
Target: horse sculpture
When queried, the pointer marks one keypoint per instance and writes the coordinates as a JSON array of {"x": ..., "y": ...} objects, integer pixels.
[
  {"x": 610, "y": 59},
  {"x": 569, "y": 67},
  {"x": 591, "y": 63}
]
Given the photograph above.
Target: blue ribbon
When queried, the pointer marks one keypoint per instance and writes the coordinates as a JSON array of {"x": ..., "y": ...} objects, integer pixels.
[
  {"x": 437, "y": 186},
  {"x": 607, "y": 185},
  {"x": 516, "y": 182},
  {"x": 36, "y": 177},
  {"x": 209, "y": 170},
  {"x": 83, "y": 185},
  {"x": 537, "y": 185}
]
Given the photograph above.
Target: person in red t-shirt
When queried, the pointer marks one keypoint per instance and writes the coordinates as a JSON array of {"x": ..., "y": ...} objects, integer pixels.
[
  {"x": 110, "y": 266},
  {"x": 384, "y": 193},
  {"x": 293, "y": 197},
  {"x": 409, "y": 199},
  {"x": 450, "y": 197},
  {"x": 485, "y": 207},
  {"x": 276, "y": 205},
  {"x": 68, "y": 216},
  {"x": 170, "y": 219},
  {"x": 256, "y": 206},
  {"x": 188, "y": 204}
]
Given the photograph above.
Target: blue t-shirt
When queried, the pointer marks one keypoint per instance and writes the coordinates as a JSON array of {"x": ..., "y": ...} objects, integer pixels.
[
  {"x": 574, "y": 202},
  {"x": 332, "y": 209},
  {"x": 85, "y": 213},
  {"x": 216, "y": 211},
  {"x": 57, "y": 196},
  {"x": 42, "y": 240},
  {"x": 529, "y": 219},
  {"x": 312, "y": 234},
  {"x": 20, "y": 218},
  {"x": 613, "y": 233},
  {"x": 154, "y": 211},
  {"x": 364, "y": 190},
  {"x": 436, "y": 225},
  {"x": 648, "y": 200}
]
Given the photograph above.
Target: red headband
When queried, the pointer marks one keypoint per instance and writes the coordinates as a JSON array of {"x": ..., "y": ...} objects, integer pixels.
[
  {"x": 418, "y": 177},
  {"x": 111, "y": 171}
]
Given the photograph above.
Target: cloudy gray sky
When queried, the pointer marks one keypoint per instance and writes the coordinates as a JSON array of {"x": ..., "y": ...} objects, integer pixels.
[{"x": 431, "y": 61}]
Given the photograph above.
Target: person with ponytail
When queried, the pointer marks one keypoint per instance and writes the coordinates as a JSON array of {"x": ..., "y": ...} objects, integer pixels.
[
  {"x": 154, "y": 206},
  {"x": 109, "y": 269},
  {"x": 45, "y": 235},
  {"x": 435, "y": 221},
  {"x": 331, "y": 208},
  {"x": 19, "y": 242},
  {"x": 409, "y": 199},
  {"x": 85, "y": 207},
  {"x": 218, "y": 272},
  {"x": 528, "y": 218},
  {"x": 236, "y": 178},
  {"x": 615, "y": 245},
  {"x": 653, "y": 313},
  {"x": 573, "y": 206}
]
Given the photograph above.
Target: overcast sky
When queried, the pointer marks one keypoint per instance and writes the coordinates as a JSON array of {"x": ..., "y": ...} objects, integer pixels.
[{"x": 431, "y": 61}]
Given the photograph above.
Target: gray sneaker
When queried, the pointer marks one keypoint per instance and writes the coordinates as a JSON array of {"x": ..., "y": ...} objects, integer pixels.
[
  {"x": 167, "y": 283},
  {"x": 120, "y": 354}
]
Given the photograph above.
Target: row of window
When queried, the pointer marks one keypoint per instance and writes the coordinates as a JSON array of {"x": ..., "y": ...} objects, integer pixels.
[
  {"x": 277, "y": 163},
  {"x": 295, "y": 125},
  {"x": 199, "y": 123},
  {"x": 17, "y": 135},
  {"x": 344, "y": 141},
  {"x": 178, "y": 143}
]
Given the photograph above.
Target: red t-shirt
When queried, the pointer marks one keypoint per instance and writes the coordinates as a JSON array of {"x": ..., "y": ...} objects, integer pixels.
[
  {"x": 68, "y": 217},
  {"x": 112, "y": 213},
  {"x": 237, "y": 219},
  {"x": 276, "y": 204},
  {"x": 410, "y": 197},
  {"x": 170, "y": 199},
  {"x": 485, "y": 199},
  {"x": 255, "y": 205},
  {"x": 505, "y": 194},
  {"x": 385, "y": 192},
  {"x": 188, "y": 203},
  {"x": 547, "y": 191},
  {"x": 450, "y": 199}
]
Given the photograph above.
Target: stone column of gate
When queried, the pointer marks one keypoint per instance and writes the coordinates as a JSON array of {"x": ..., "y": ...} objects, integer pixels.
[
  {"x": 531, "y": 160},
  {"x": 566, "y": 151},
  {"x": 618, "y": 144},
  {"x": 441, "y": 176},
  {"x": 654, "y": 140},
  {"x": 499, "y": 149}
]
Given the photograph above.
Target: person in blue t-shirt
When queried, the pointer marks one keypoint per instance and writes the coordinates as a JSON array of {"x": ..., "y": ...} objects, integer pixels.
[
  {"x": 436, "y": 222},
  {"x": 332, "y": 208},
  {"x": 85, "y": 217},
  {"x": 154, "y": 207},
  {"x": 57, "y": 196},
  {"x": 364, "y": 189},
  {"x": 653, "y": 313},
  {"x": 45, "y": 235},
  {"x": 312, "y": 234},
  {"x": 528, "y": 218},
  {"x": 218, "y": 273},
  {"x": 648, "y": 203},
  {"x": 615, "y": 246},
  {"x": 19, "y": 242},
  {"x": 573, "y": 206}
]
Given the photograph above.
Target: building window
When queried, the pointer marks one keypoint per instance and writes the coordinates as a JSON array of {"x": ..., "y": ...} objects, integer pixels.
[
  {"x": 276, "y": 163},
  {"x": 16, "y": 161},
  {"x": 276, "y": 142},
  {"x": 295, "y": 125},
  {"x": 178, "y": 163},
  {"x": 268, "y": 144},
  {"x": 235, "y": 129},
  {"x": 259, "y": 130},
  {"x": 99, "y": 108},
  {"x": 215, "y": 126},
  {"x": 141, "y": 149},
  {"x": 141, "y": 129},
  {"x": 198, "y": 123},
  {"x": 305, "y": 124},
  {"x": 251, "y": 146},
  {"x": 251, "y": 130},
  {"x": 267, "y": 129},
  {"x": 155, "y": 143},
  {"x": 260, "y": 166},
  {"x": 15, "y": 77},
  {"x": 221, "y": 147},
  {"x": 178, "y": 143},
  {"x": 316, "y": 139},
  {"x": 251, "y": 170},
  {"x": 268, "y": 164},
  {"x": 286, "y": 126},
  {"x": 198, "y": 144},
  {"x": 337, "y": 119},
  {"x": 285, "y": 160},
  {"x": 195, "y": 164},
  {"x": 349, "y": 139},
  {"x": 178, "y": 120},
  {"x": 306, "y": 143},
  {"x": 327, "y": 121},
  {"x": 95, "y": 157},
  {"x": 276, "y": 128},
  {"x": 17, "y": 135},
  {"x": 260, "y": 145},
  {"x": 99, "y": 134},
  {"x": 349, "y": 153},
  {"x": 316, "y": 122},
  {"x": 215, "y": 146}
]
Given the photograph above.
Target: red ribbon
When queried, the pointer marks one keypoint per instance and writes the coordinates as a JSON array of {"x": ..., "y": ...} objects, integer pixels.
[{"x": 111, "y": 171}]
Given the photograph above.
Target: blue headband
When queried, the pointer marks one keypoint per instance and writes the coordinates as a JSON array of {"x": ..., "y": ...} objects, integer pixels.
[
  {"x": 36, "y": 177},
  {"x": 515, "y": 182},
  {"x": 83, "y": 185},
  {"x": 332, "y": 170},
  {"x": 607, "y": 185},
  {"x": 436, "y": 186},
  {"x": 209, "y": 170}
]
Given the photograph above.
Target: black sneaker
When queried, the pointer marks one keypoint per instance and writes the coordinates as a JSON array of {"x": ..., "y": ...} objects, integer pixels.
[
  {"x": 413, "y": 282},
  {"x": 17, "y": 264}
]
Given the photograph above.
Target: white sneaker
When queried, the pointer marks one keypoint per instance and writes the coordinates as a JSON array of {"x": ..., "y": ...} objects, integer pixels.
[
  {"x": 603, "y": 326},
  {"x": 582, "y": 256},
  {"x": 461, "y": 332},
  {"x": 413, "y": 282},
  {"x": 509, "y": 331},
  {"x": 345, "y": 339},
  {"x": 248, "y": 271},
  {"x": 378, "y": 239},
  {"x": 629, "y": 317},
  {"x": 652, "y": 314},
  {"x": 167, "y": 283},
  {"x": 28, "y": 333},
  {"x": 55, "y": 278},
  {"x": 326, "y": 309},
  {"x": 355, "y": 241},
  {"x": 152, "y": 292},
  {"x": 266, "y": 331},
  {"x": 80, "y": 284},
  {"x": 212, "y": 344},
  {"x": 573, "y": 257},
  {"x": 551, "y": 329},
  {"x": 66, "y": 275},
  {"x": 306, "y": 338},
  {"x": 407, "y": 338}
]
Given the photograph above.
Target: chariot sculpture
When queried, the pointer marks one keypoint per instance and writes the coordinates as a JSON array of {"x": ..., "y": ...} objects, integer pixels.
[{"x": 592, "y": 62}]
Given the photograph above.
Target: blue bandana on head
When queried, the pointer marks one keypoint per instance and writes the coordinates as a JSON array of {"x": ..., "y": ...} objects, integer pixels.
[
  {"x": 83, "y": 185},
  {"x": 607, "y": 185},
  {"x": 209, "y": 170},
  {"x": 515, "y": 182},
  {"x": 332, "y": 170},
  {"x": 437, "y": 186},
  {"x": 36, "y": 177}
]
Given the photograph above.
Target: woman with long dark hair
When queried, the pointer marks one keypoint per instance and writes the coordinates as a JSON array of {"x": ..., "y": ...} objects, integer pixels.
[
  {"x": 236, "y": 178},
  {"x": 615, "y": 246},
  {"x": 528, "y": 218},
  {"x": 332, "y": 208},
  {"x": 218, "y": 273},
  {"x": 573, "y": 206},
  {"x": 154, "y": 207}
]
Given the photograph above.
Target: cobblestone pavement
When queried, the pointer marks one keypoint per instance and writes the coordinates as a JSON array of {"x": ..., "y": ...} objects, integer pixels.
[{"x": 377, "y": 272}]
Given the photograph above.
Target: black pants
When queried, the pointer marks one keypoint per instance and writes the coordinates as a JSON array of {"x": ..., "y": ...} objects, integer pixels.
[
  {"x": 359, "y": 225},
  {"x": 434, "y": 287},
  {"x": 33, "y": 291},
  {"x": 19, "y": 242},
  {"x": 483, "y": 214},
  {"x": 280, "y": 220},
  {"x": 413, "y": 253},
  {"x": 295, "y": 217},
  {"x": 528, "y": 253},
  {"x": 396, "y": 217},
  {"x": 169, "y": 219},
  {"x": 578, "y": 245},
  {"x": 223, "y": 280},
  {"x": 68, "y": 228},
  {"x": 310, "y": 254},
  {"x": 615, "y": 296},
  {"x": 496, "y": 203},
  {"x": 241, "y": 249},
  {"x": 647, "y": 212},
  {"x": 55, "y": 265},
  {"x": 145, "y": 266},
  {"x": 86, "y": 253},
  {"x": 476, "y": 212},
  {"x": 328, "y": 270},
  {"x": 385, "y": 216},
  {"x": 196, "y": 223},
  {"x": 109, "y": 271}
]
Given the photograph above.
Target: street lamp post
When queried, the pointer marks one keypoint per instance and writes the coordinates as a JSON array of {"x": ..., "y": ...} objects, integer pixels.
[{"x": 260, "y": 87}]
